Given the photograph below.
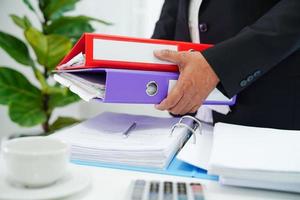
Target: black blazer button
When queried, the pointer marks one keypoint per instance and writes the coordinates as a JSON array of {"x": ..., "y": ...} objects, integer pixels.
[
  {"x": 250, "y": 78},
  {"x": 203, "y": 27},
  {"x": 257, "y": 73},
  {"x": 243, "y": 83}
]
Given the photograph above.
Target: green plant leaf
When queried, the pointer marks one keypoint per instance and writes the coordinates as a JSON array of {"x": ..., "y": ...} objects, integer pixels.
[
  {"x": 62, "y": 122},
  {"x": 60, "y": 100},
  {"x": 27, "y": 113},
  {"x": 16, "y": 48},
  {"x": 73, "y": 26},
  {"x": 58, "y": 47},
  {"x": 38, "y": 42},
  {"x": 49, "y": 49},
  {"x": 15, "y": 87},
  {"x": 18, "y": 21},
  {"x": 29, "y": 5},
  {"x": 24, "y": 99},
  {"x": 27, "y": 22},
  {"x": 53, "y": 9},
  {"x": 23, "y": 23}
]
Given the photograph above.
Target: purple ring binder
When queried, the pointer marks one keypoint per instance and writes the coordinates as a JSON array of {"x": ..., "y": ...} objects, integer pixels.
[{"x": 130, "y": 86}]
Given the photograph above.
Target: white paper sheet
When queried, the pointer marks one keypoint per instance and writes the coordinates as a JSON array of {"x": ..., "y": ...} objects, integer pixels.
[
  {"x": 255, "y": 153},
  {"x": 198, "y": 153},
  {"x": 83, "y": 88},
  {"x": 78, "y": 60},
  {"x": 101, "y": 139},
  {"x": 289, "y": 187}
]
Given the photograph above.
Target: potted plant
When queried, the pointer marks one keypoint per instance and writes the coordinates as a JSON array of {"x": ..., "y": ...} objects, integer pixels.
[{"x": 28, "y": 104}]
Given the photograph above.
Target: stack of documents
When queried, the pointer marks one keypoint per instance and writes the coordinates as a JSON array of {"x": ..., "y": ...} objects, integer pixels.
[
  {"x": 256, "y": 157},
  {"x": 102, "y": 140},
  {"x": 86, "y": 85},
  {"x": 118, "y": 69}
]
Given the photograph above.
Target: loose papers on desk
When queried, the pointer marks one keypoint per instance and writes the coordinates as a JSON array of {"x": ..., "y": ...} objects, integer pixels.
[
  {"x": 100, "y": 139},
  {"x": 241, "y": 156},
  {"x": 256, "y": 157},
  {"x": 247, "y": 156}
]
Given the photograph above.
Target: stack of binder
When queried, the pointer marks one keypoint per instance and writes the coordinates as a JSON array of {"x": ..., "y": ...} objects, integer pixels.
[
  {"x": 103, "y": 139},
  {"x": 148, "y": 147},
  {"x": 231, "y": 154},
  {"x": 117, "y": 69}
]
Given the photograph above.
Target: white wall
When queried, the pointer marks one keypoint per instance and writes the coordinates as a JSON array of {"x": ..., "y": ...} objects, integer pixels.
[{"x": 130, "y": 17}]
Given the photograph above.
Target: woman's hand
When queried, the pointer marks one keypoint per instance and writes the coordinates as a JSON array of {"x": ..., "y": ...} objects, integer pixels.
[{"x": 196, "y": 81}]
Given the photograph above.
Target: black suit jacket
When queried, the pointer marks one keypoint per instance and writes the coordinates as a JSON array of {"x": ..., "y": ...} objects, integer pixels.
[{"x": 256, "y": 55}]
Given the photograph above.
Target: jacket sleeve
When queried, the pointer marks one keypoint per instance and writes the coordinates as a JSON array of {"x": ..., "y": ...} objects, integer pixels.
[
  {"x": 240, "y": 60},
  {"x": 165, "y": 26}
]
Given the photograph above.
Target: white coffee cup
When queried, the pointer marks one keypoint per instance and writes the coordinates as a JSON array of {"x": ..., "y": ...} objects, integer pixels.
[{"x": 35, "y": 161}]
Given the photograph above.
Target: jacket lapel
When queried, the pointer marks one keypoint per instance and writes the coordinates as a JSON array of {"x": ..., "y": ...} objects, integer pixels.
[{"x": 182, "y": 28}]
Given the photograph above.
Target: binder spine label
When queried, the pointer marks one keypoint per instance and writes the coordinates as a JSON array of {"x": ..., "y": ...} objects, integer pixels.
[{"x": 128, "y": 51}]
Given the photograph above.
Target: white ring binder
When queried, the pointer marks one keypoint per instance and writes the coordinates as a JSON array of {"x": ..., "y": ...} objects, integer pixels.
[{"x": 193, "y": 130}]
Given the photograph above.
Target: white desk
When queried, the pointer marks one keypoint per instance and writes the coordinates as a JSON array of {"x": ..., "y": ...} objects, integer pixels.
[{"x": 112, "y": 184}]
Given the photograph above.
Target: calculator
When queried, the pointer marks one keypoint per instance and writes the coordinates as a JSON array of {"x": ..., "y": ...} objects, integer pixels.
[{"x": 167, "y": 190}]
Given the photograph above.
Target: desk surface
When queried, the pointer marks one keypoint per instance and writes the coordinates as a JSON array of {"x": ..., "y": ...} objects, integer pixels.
[{"x": 112, "y": 184}]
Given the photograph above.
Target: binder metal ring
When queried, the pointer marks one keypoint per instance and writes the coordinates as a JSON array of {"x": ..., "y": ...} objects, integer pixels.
[
  {"x": 198, "y": 122},
  {"x": 185, "y": 126},
  {"x": 193, "y": 130}
]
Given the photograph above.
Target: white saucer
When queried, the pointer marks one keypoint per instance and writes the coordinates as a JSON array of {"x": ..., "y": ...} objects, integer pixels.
[{"x": 74, "y": 182}]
